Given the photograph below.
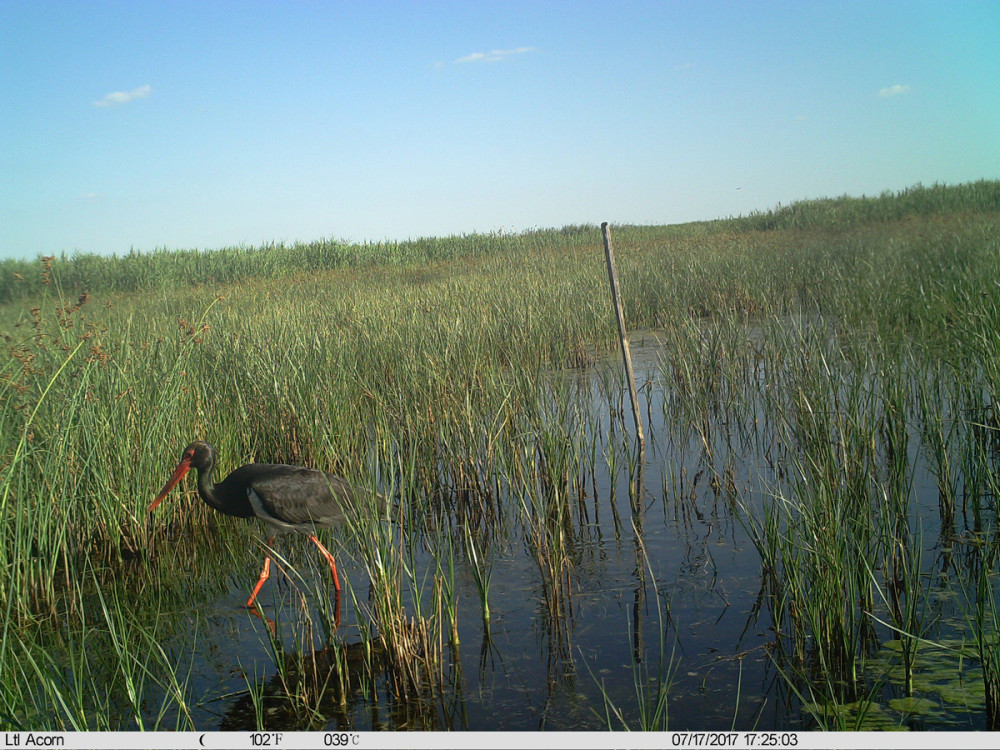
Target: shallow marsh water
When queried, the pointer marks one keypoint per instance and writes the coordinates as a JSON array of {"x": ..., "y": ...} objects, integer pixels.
[{"x": 664, "y": 593}]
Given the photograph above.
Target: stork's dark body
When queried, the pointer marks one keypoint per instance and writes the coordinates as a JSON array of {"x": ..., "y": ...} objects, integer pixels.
[
  {"x": 285, "y": 498},
  {"x": 291, "y": 497}
]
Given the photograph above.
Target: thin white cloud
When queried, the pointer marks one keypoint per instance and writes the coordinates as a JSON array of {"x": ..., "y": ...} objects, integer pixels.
[
  {"x": 124, "y": 97},
  {"x": 897, "y": 90},
  {"x": 494, "y": 55}
]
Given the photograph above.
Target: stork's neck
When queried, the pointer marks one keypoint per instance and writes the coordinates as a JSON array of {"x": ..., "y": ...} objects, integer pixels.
[{"x": 206, "y": 487}]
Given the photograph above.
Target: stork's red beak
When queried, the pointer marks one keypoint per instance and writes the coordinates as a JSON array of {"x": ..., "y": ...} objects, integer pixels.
[{"x": 182, "y": 468}]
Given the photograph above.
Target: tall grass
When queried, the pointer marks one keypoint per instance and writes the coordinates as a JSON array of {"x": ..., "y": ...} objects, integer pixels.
[
  {"x": 838, "y": 341},
  {"x": 165, "y": 269}
]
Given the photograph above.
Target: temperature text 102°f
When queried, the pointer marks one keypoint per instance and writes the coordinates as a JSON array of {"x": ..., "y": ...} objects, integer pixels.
[{"x": 265, "y": 739}]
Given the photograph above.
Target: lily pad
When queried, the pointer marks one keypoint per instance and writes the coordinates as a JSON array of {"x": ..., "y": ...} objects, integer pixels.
[
  {"x": 862, "y": 716},
  {"x": 913, "y": 705}
]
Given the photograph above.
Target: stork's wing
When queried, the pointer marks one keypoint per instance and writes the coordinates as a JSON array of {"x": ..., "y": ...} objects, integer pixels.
[{"x": 296, "y": 495}]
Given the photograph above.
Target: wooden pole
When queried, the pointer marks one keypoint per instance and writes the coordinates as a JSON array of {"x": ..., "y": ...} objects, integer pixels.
[{"x": 609, "y": 255}]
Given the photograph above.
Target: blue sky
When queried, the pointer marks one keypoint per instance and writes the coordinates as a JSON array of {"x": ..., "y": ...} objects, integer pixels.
[{"x": 202, "y": 125}]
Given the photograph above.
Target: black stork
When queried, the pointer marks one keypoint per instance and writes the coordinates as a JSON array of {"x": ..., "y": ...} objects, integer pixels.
[{"x": 285, "y": 498}]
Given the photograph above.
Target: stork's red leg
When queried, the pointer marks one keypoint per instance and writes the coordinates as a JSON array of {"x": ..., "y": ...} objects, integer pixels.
[
  {"x": 263, "y": 575},
  {"x": 329, "y": 558}
]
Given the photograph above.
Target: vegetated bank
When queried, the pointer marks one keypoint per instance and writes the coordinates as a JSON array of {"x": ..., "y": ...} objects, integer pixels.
[{"x": 422, "y": 363}]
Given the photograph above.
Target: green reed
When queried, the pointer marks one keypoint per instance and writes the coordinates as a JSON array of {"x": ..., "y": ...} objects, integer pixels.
[
  {"x": 482, "y": 572},
  {"x": 834, "y": 339},
  {"x": 109, "y": 674}
]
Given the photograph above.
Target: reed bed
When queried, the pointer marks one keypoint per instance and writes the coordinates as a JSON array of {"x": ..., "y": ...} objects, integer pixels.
[{"x": 812, "y": 359}]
